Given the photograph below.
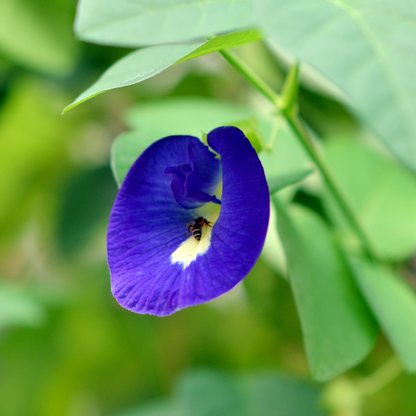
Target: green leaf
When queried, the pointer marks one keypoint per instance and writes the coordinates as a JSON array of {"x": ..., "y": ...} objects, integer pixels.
[
  {"x": 136, "y": 67},
  {"x": 273, "y": 253},
  {"x": 393, "y": 302},
  {"x": 126, "y": 148},
  {"x": 154, "y": 120},
  {"x": 363, "y": 47},
  {"x": 186, "y": 115},
  {"x": 286, "y": 157},
  {"x": 280, "y": 182},
  {"x": 159, "y": 408},
  {"x": 337, "y": 327},
  {"x": 195, "y": 116},
  {"x": 43, "y": 39},
  {"x": 277, "y": 395},
  {"x": 231, "y": 40},
  {"x": 214, "y": 393},
  {"x": 149, "y": 22},
  {"x": 209, "y": 393},
  {"x": 148, "y": 62},
  {"x": 382, "y": 194}
]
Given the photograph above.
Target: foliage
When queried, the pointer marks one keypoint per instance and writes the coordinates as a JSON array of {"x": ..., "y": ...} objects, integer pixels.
[{"x": 338, "y": 146}]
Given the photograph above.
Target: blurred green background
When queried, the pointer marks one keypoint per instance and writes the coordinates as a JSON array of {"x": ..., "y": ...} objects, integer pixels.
[{"x": 66, "y": 346}]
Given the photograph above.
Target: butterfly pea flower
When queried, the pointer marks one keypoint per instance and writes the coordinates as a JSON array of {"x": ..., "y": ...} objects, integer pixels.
[{"x": 188, "y": 223}]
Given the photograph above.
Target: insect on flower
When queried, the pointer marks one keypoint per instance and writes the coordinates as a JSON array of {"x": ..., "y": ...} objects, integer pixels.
[
  {"x": 196, "y": 227},
  {"x": 179, "y": 184}
]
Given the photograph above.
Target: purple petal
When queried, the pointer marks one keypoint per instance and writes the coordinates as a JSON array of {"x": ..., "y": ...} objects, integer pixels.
[
  {"x": 193, "y": 184},
  {"x": 147, "y": 224},
  {"x": 205, "y": 175},
  {"x": 238, "y": 234}
]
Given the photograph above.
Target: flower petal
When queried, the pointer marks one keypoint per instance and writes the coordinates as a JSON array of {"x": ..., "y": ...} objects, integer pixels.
[
  {"x": 193, "y": 184},
  {"x": 147, "y": 225}
]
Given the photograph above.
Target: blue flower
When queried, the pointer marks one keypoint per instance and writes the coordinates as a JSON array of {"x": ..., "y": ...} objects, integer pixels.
[{"x": 177, "y": 191}]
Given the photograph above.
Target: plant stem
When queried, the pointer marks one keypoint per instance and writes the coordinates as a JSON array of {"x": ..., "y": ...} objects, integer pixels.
[
  {"x": 251, "y": 76},
  {"x": 300, "y": 132},
  {"x": 287, "y": 107},
  {"x": 381, "y": 377}
]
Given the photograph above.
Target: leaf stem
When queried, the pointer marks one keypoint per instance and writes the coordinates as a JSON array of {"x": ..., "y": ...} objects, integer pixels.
[
  {"x": 286, "y": 104},
  {"x": 251, "y": 76}
]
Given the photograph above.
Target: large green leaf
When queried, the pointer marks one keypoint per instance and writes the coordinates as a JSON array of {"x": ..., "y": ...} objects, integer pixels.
[
  {"x": 159, "y": 408},
  {"x": 146, "y": 63},
  {"x": 150, "y": 22},
  {"x": 136, "y": 67},
  {"x": 154, "y": 120},
  {"x": 278, "y": 395},
  {"x": 279, "y": 182},
  {"x": 285, "y": 158},
  {"x": 337, "y": 326},
  {"x": 382, "y": 194},
  {"x": 214, "y": 393},
  {"x": 209, "y": 393},
  {"x": 393, "y": 303},
  {"x": 366, "y": 48},
  {"x": 38, "y": 34}
]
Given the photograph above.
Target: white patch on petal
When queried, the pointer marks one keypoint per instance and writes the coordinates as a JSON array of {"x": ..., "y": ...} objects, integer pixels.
[{"x": 187, "y": 252}]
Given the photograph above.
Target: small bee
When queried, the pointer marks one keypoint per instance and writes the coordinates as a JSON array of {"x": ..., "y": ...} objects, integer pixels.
[{"x": 196, "y": 228}]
